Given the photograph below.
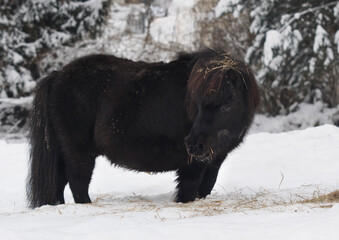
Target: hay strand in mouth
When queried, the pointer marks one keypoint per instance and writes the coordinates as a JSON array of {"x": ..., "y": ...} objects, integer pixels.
[{"x": 189, "y": 160}]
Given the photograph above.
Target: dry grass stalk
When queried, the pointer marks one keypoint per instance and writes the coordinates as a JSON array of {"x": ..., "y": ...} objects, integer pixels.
[{"x": 282, "y": 179}]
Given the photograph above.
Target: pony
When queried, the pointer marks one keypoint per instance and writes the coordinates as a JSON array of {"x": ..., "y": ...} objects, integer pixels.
[{"x": 185, "y": 116}]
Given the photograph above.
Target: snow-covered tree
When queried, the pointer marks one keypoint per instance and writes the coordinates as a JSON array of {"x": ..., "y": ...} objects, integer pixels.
[
  {"x": 217, "y": 29},
  {"x": 295, "y": 50},
  {"x": 29, "y": 28}
]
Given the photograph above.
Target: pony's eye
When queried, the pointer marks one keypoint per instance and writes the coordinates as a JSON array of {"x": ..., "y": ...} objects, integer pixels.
[{"x": 225, "y": 108}]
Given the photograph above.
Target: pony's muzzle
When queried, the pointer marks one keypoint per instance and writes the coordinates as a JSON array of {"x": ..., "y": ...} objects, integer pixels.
[{"x": 195, "y": 146}]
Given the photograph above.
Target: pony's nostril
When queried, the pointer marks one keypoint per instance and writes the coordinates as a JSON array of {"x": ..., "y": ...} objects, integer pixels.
[
  {"x": 194, "y": 146},
  {"x": 198, "y": 148}
]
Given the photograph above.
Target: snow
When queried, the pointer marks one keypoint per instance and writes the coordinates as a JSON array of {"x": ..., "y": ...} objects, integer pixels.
[
  {"x": 257, "y": 196},
  {"x": 312, "y": 63},
  {"x": 226, "y": 6},
  {"x": 177, "y": 4},
  {"x": 54, "y": 38},
  {"x": 13, "y": 77},
  {"x": 17, "y": 58},
  {"x": 273, "y": 40},
  {"x": 17, "y": 101},
  {"x": 163, "y": 30},
  {"x": 336, "y": 40},
  {"x": 22, "y": 78},
  {"x": 291, "y": 39},
  {"x": 320, "y": 39},
  {"x": 11, "y": 74},
  {"x": 305, "y": 116}
]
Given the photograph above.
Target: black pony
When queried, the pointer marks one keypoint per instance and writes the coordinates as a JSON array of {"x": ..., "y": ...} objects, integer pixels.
[{"x": 186, "y": 115}]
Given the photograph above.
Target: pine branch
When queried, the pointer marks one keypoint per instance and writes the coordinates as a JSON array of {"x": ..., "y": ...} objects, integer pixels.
[{"x": 298, "y": 15}]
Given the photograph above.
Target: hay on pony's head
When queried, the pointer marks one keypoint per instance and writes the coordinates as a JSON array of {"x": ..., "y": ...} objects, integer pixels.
[{"x": 224, "y": 64}]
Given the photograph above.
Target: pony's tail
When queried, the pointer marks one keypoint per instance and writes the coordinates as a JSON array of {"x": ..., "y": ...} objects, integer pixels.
[{"x": 43, "y": 168}]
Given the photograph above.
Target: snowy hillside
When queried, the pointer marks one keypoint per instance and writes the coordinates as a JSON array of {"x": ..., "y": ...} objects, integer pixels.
[{"x": 267, "y": 189}]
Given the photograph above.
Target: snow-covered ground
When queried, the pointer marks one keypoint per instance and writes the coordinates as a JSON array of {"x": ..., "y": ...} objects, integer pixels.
[
  {"x": 306, "y": 115},
  {"x": 260, "y": 194}
]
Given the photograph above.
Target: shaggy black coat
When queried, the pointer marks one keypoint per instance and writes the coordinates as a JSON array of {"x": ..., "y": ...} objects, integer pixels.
[{"x": 186, "y": 115}]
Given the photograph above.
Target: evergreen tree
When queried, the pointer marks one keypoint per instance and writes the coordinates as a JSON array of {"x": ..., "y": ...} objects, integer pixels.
[
  {"x": 295, "y": 51},
  {"x": 29, "y": 28}
]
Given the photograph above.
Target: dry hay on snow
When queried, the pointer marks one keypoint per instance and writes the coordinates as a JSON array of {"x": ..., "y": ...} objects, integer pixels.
[
  {"x": 240, "y": 201},
  {"x": 162, "y": 207},
  {"x": 332, "y": 197}
]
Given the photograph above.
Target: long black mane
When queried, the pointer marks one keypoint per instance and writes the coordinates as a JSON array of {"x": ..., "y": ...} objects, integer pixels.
[{"x": 211, "y": 73}]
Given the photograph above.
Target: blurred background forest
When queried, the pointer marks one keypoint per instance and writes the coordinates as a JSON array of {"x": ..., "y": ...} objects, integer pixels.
[{"x": 292, "y": 46}]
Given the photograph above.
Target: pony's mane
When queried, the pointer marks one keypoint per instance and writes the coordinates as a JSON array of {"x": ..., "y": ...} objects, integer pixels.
[{"x": 212, "y": 72}]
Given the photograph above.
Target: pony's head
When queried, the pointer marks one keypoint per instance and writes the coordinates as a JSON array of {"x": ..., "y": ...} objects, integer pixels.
[{"x": 222, "y": 96}]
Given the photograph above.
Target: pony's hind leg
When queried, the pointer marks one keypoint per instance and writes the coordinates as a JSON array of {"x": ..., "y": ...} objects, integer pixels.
[
  {"x": 79, "y": 169},
  {"x": 62, "y": 181}
]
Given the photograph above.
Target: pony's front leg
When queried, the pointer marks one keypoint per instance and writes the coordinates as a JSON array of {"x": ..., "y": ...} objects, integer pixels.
[
  {"x": 197, "y": 179},
  {"x": 189, "y": 180},
  {"x": 210, "y": 176}
]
